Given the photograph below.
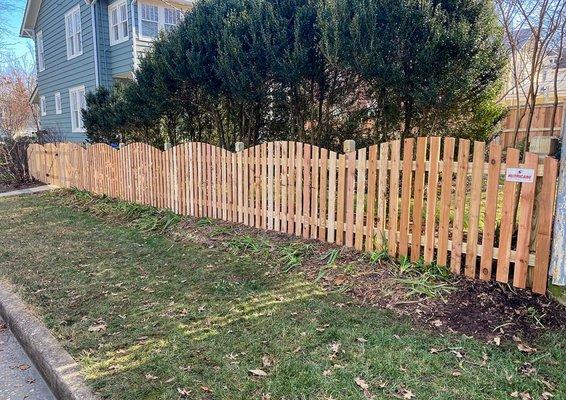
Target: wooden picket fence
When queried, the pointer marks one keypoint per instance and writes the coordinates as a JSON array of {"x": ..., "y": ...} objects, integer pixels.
[{"x": 440, "y": 199}]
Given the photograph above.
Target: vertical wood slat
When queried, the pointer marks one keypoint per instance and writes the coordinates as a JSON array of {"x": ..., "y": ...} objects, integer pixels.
[
  {"x": 299, "y": 189},
  {"x": 408, "y": 145},
  {"x": 418, "y": 199},
  {"x": 381, "y": 239},
  {"x": 340, "y": 202},
  {"x": 526, "y": 204},
  {"x": 284, "y": 185},
  {"x": 507, "y": 220},
  {"x": 305, "y": 216},
  {"x": 459, "y": 205},
  {"x": 360, "y": 199},
  {"x": 270, "y": 185},
  {"x": 445, "y": 200},
  {"x": 491, "y": 200},
  {"x": 324, "y": 191},
  {"x": 291, "y": 168},
  {"x": 331, "y": 215},
  {"x": 314, "y": 192},
  {"x": 392, "y": 237},
  {"x": 474, "y": 213},
  {"x": 350, "y": 197},
  {"x": 372, "y": 186},
  {"x": 432, "y": 193},
  {"x": 546, "y": 212}
]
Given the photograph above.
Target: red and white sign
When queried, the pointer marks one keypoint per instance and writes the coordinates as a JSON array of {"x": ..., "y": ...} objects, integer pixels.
[{"x": 520, "y": 175}]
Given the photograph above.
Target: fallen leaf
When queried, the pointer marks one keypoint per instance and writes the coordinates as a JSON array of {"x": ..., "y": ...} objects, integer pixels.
[
  {"x": 257, "y": 372},
  {"x": 456, "y": 373},
  {"x": 340, "y": 279},
  {"x": 23, "y": 367},
  {"x": 266, "y": 361},
  {"x": 433, "y": 351},
  {"x": 546, "y": 395},
  {"x": 97, "y": 328},
  {"x": 437, "y": 323},
  {"x": 403, "y": 393},
  {"x": 205, "y": 389},
  {"x": 184, "y": 392},
  {"x": 497, "y": 340},
  {"x": 150, "y": 377},
  {"x": 326, "y": 372},
  {"x": 361, "y": 383},
  {"x": 525, "y": 348},
  {"x": 361, "y": 340}
]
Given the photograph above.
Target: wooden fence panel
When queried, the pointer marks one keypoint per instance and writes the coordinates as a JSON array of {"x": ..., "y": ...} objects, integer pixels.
[{"x": 408, "y": 201}]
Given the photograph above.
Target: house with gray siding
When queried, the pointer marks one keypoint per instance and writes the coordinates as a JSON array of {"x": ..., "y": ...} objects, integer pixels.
[{"x": 83, "y": 44}]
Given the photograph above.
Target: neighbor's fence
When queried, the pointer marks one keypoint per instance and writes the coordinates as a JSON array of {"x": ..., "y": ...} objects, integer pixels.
[{"x": 407, "y": 197}]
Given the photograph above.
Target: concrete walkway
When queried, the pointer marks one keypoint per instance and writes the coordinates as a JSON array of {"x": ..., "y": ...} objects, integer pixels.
[
  {"x": 36, "y": 189},
  {"x": 19, "y": 379}
]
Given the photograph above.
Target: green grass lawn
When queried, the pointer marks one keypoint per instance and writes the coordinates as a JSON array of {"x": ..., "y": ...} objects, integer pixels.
[{"x": 149, "y": 317}]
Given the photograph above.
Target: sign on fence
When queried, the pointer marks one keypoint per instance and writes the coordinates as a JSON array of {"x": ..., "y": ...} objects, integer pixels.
[{"x": 431, "y": 198}]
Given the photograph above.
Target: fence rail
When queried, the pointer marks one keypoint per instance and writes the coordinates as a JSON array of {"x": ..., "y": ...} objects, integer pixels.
[{"x": 439, "y": 199}]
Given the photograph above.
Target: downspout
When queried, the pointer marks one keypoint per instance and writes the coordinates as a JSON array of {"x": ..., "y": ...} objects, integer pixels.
[
  {"x": 134, "y": 36},
  {"x": 94, "y": 43}
]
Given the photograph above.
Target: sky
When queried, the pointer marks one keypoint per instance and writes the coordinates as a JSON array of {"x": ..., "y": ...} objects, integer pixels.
[{"x": 17, "y": 44}]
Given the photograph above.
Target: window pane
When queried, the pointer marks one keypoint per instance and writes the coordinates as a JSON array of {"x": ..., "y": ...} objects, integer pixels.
[
  {"x": 116, "y": 32},
  {"x": 150, "y": 29},
  {"x": 114, "y": 17}
]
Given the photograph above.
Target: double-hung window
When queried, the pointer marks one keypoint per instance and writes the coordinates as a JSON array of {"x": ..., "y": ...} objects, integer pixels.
[
  {"x": 172, "y": 17},
  {"x": 73, "y": 32},
  {"x": 40, "y": 51},
  {"x": 118, "y": 15},
  {"x": 42, "y": 106},
  {"x": 58, "y": 109},
  {"x": 153, "y": 18},
  {"x": 149, "y": 16},
  {"x": 78, "y": 102}
]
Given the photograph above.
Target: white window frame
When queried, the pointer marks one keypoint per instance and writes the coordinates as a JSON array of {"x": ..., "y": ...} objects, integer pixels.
[
  {"x": 40, "y": 51},
  {"x": 58, "y": 108},
  {"x": 42, "y": 106},
  {"x": 116, "y": 6},
  {"x": 76, "y": 36},
  {"x": 77, "y": 127},
  {"x": 160, "y": 18}
]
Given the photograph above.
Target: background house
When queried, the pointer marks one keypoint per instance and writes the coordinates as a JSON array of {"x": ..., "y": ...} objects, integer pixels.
[{"x": 83, "y": 44}]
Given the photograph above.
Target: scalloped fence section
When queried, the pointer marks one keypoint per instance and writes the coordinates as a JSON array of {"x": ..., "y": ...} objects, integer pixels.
[{"x": 447, "y": 201}]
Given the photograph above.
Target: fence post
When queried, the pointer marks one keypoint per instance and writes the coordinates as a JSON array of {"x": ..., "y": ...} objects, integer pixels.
[
  {"x": 239, "y": 146},
  {"x": 558, "y": 259},
  {"x": 349, "y": 146}
]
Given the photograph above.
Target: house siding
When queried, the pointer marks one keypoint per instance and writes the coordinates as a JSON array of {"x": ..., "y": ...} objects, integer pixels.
[{"x": 61, "y": 74}]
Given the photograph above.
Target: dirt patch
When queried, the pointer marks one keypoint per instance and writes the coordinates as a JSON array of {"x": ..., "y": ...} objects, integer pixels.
[{"x": 8, "y": 187}]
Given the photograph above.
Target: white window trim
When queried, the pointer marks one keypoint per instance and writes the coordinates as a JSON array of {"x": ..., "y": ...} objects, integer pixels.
[
  {"x": 58, "y": 104},
  {"x": 160, "y": 18},
  {"x": 40, "y": 59},
  {"x": 70, "y": 12},
  {"x": 42, "y": 106},
  {"x": 74, "y": 128},
  {"x": 116, "y": 6}
]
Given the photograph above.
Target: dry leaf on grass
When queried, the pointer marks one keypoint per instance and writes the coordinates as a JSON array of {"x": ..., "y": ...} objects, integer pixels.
[
  {"x": 257, "y": 372},
  {"x": 403, "y": 393},
  {"x": 184, "y": 392},
  {"x": 361, "y": 383},
  {"x": 23, "y": 367},
  {"x": 266, "y": 361},
  {"x": 150, "y": 377},
  {"x": 97, "y": 328}
]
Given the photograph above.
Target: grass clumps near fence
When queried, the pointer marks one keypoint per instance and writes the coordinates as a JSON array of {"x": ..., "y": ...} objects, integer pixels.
[{"x": 145, "y": 218}]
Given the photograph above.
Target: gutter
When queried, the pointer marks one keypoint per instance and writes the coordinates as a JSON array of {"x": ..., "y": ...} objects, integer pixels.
[
  {"x": 95, "y": 43},
  {"x": 134, "y": 36}
]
